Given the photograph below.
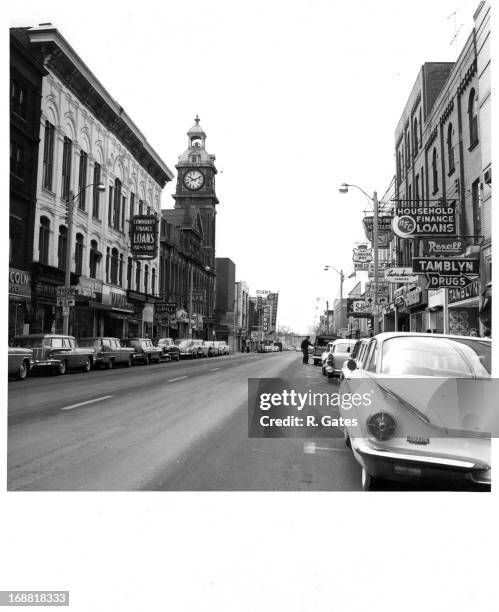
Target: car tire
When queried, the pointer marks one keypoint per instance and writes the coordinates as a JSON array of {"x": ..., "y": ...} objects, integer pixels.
[
  {"x": 323, "y": 371},
  {"x": 369, "y": 483},
  {"x": 61, "y": 369},
  {"x": 129, "y": 362},
  {"x": 109, "y": 365},
  {"x": 148, "y": 360},
  {"x": 23, "y": 370},
  {"x": 158, "y": 359},
  {"x": 87, "y": 366}
]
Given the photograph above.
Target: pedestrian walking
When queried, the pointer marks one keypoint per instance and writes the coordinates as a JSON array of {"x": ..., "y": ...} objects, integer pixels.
[{"x": 304, "y": 348}]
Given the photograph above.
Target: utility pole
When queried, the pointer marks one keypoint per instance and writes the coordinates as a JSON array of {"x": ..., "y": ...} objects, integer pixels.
[
  {"x": 189, "y": 329},
  {"x": 67, "y": 271},
  {"x": 375, "y": 246}
]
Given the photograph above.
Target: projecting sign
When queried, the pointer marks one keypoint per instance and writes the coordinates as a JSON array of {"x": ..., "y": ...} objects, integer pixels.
[
  {"x": 443, "y": 246},
  {"x": 447, "y": 272},
  {"x": 144, "y": 236},
  {"x": 384, "y": 226},
  {"x": 414, "y": 220},
  {"x": 358, "y": 308},
  {"x": 400, "y": 275},
  {"x": 362, "y": 254},
  {"x": 273, "y": 299}
]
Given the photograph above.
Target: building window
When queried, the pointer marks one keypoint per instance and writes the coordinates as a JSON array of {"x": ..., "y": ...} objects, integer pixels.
[
  {"x": 48, "y": 155},
  {"x": 79, "y": 254},
  {"x": 96, "y": 194},
  {"x": 16, "y": 159},
  {"x": 153, "y": 281},
  {"x": 132, "y": 205},
  {"x": 141, "y": 207},
  {"x": 408, "y": 148},
  {"x": 110, "y": 206},
  {"x": 123, "y": 208},
  {"x": 137, "y": 277},
  {"x": 66, "y": 168},
  {"x": 120, "y": 274},
  {"x": 62, "y": 246},
  {"x": 18, "y": 99},
  {"x": 450, "y": 149},
  {"x": 114, "y": 266},
  {"x": 82, "y": 180},
  {"x": 108, "y": 261},
  {"x": 415, "y": 138},
  {"x": 475, "y": 203},
  {"x": 146, "y": 278},
  {"x": 94, "y": 258},
  {"x": 129, "y": 274},
  {"x": 43, "y": 240},
  {"x": 434, "y": 170},
  {"x": 117, "y": 203},
  {"x": 148, "y": 210},
  {"x": 416, "y": 189},
  {"x": 473, "y": 119}
]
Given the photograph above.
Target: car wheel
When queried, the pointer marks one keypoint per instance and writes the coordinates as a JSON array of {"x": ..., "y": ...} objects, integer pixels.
[
  {"x": 129, "y": 362},
  {"x": 148, "y": 360},
  {"x": 87, "y": 366},
  {"x": 158, "y": 359},
  {"x": 323, "y": 371},
  {"x": 23, "y": 370},
  {"x": 62, "y": 368},
  {"x": 109, "y": 365}
]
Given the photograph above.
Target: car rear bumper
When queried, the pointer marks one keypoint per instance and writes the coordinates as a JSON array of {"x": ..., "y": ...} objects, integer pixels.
[
  {"x": 44, "y": 363},
  {"x": 405, "y": 466}
]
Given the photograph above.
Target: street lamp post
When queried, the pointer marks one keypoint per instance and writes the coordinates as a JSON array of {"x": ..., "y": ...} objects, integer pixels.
[
  {"x": 67, "y": 272},
  {"x": 374, "y": 199}
]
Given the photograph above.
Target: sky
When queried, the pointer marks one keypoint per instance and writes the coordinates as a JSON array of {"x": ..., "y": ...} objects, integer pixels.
[{"x": 296, "y": 97}]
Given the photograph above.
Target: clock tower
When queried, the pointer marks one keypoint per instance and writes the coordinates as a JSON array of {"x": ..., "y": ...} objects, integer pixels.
[{"x": 196, "y": 186}]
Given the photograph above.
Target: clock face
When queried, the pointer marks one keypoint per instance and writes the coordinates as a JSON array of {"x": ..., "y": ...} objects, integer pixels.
[{"x": 193, "y": 179}]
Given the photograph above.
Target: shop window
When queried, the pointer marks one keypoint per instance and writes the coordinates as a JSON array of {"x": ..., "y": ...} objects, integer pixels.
[
  {"x": 48, "y": 155},
  {"x": 66, "y": 168},
  {"x": 94, "y": 259},
  {"x": 82, "y": 181},
  {"x": 79, "y": 254},
  {"x": 472, "y": 119},
  {"x": 62, "y": 246}
]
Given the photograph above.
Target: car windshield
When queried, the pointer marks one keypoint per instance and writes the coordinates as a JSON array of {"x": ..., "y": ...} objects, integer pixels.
[
  {"x": 322, "y": 341},
  {"x": 341, "y": 348},
  {"x": 412, "y": 356},
  {"x": 180, "y": 342}
]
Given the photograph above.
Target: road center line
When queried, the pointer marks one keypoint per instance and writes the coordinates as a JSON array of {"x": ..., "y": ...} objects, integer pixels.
[
  {"x": 92, "y": 401},
  {"x": 179, "y": 378},
  {"x": 214, "y": 369}
]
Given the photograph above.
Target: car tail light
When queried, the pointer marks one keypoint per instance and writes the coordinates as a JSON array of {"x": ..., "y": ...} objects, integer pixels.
[{"x": 381, "y": 425}]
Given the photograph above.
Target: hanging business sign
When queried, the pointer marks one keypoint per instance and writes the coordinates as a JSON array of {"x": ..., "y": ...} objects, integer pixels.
[
  {"x": 144, "y": 236},
  {"x": 445, "y": 272},
  {"x": 443, "y": 246},
  {"x": 464, "y": 293},
  {"x": 362, "y": 254},
  {"x": 361, "y": 266},
  {"x": 356, "y": 307},
  {"x": 384, "y": 227},
  {"x": 273, "y": 299},
  {"x": 400, "y": 275},
  {"x": 413, "y": 220}
]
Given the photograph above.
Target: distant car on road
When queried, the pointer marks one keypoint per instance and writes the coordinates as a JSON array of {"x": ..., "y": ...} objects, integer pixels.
[
  {"x": 56, "y": 352},
  {"x": 169, "y": 348},
  {"x": 223, "y": 347},
  {"x": 144, "y": 350},
  {"x": 320, "y": 345},
  {"x": 108, "y": 352},
  {"x": 339, "y": 351},
  {"x": 19, "y": 363},
  {"x": 406, "y": 433},
  {"x": 187, "y": 349}
]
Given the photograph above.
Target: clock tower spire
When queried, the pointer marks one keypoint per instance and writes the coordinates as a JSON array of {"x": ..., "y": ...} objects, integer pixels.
[{"x": 196, "y": 185}]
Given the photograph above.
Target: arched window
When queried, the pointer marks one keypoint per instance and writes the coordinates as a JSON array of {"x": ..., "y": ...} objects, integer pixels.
[
  {"x": 44, "y": 240},
  {"x": 137, "y": 277},
  {"x": 473, "y": 119},
  {"x": 129, "y": 274},
  {"x": 79, "y": 254},
  {"x": 120, "y": 275},
  {"x": 94, "y": 258},
  {"x": 434, "y": 169},
  {"x": 450, "y": 148},
  {"x": 415, "y": 138},
  {"x": 62, "y": 246},
  {"x": 114, "y": 266},
  {"x": 146, "y": 278},
  {"x": 117, "y": 204}
]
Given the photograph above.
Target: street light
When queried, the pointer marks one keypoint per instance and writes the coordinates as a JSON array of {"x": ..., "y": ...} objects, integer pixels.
[
  {"x": 374, "y": 199},
  {"x": 100, "y": 187}
]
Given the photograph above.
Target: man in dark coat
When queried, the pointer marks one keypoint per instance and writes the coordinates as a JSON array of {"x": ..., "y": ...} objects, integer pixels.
[{"x": 304, "y": 349}]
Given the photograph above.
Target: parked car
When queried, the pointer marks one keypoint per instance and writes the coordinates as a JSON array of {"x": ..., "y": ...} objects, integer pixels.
[
  {"x": 108, "y": 352},
  {"x": 223, "y": 347},
  {"x": 213, "y": 348},
  {"x": 320, "y": 345},
  {"x": 203, "y": 347},
  {"x": 339, "y": 351},
  {"x": 56, "y": 352},
  {"x": 144, "y": 350},
  {"x": 407, "y": 433},
  {"x": 187, "y": 349},
  {"x": 170, "y": 350},
  {"x": 19, "y": 363}
]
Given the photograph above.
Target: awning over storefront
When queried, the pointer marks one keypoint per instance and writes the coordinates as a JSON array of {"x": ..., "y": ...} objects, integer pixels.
[{"x": 109, "y": 308}]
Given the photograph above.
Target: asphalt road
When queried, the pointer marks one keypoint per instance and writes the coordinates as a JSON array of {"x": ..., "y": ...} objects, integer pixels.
[{"x": 171, "y": 426}]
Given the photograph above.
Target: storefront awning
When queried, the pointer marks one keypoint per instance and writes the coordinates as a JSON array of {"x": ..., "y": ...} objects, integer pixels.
[{"x": 109, "y": 308}]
